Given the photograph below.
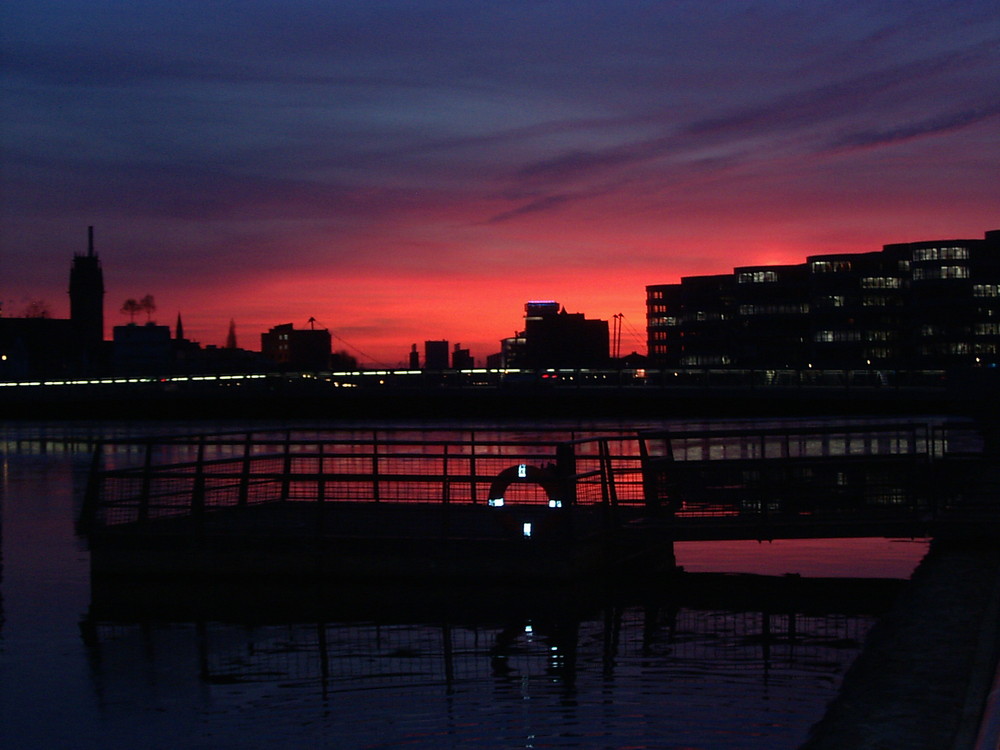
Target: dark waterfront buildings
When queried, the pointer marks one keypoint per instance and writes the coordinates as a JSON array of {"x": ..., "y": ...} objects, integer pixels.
[
  {"x": 918, "y": 305},
  {"x": 86, "y": 299},
  {"x": 50, "y": 347},
  {"x": 436, "y": 355},
  {"x": 555, "y": 338},
  {"x": 297, "y": 349}
]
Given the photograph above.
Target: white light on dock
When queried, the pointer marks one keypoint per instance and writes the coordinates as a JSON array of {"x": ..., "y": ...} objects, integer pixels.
[
  {"x": 495, "y": 502},
  {"x": 555, "y": 503},
  {"x": 526, "y": 528},
  {"x": 522, "y": 471}
]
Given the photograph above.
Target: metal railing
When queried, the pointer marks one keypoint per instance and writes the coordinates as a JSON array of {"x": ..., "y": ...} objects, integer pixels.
[
  {"x": 192, "y": 475},
  {"x": 791, "y": 469}
]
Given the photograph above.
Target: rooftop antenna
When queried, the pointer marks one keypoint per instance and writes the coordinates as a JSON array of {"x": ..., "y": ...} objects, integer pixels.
[{"x": 90, "y": 242}]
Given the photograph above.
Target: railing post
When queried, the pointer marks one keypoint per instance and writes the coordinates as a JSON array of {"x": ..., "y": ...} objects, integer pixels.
[
  {"x": 147, "y": 483},
  {"x": 321, "y": 476},
  {"x": 612, "y": 484},
  {"x": 198, "y": 490},
  {"x": 244, "y": 497},
  {"x": 286, "y": 467},
  {"x": 445, "y": 482},
  {"x": 472, "y": 468},
  {"x": 605, "y": 478},
  {"x": 375, "y": 482}
]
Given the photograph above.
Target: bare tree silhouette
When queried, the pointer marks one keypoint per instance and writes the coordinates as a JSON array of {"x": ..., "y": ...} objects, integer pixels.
[
  {"x": 37, "y": 308},
  {"x": 148, "y": 306},
  {"x": 131, "y": 308}
]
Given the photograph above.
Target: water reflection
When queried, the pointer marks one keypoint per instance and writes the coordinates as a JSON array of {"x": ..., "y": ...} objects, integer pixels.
[
  {"x": 485, "y": 667},
  {"x": 714, "y": 664}
]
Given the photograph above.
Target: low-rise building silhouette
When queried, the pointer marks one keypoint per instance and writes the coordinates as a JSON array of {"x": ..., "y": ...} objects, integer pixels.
[
  {"x": 142, "y": 350},
  {"x": 554, "y": 338},
  {"x": 436, "y": 355},
  {"x": 461, "y": 359},
  {"x": 918, "y": 305},
  {"x": 293, "y": 349}
]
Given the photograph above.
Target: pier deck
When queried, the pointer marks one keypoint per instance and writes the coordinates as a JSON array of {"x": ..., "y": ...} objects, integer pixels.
[{"x": 505, "y": 506}]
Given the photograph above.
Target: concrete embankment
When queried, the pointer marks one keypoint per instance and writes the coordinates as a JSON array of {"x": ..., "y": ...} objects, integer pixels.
[{"x": 924, "y": 676}]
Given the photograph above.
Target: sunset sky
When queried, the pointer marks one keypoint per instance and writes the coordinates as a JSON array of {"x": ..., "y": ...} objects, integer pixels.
[{"x": 403, "y": 171}]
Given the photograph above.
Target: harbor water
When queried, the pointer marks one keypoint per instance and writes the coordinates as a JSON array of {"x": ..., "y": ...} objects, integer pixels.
[{"x": 614, "y": 666}]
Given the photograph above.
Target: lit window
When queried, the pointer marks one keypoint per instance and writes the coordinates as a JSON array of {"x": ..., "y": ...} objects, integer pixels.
[
  {"x": 880, "y": 282},
  {"x": 757, "y": 277},
  {"x": 827, "y": 266},
  {"x": 941, "y": 272}
]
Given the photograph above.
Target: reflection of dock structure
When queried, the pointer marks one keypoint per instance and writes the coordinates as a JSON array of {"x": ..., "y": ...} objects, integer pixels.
[
  {"x": 381, "y": 640},
  {"x": 504, "y": 506}
]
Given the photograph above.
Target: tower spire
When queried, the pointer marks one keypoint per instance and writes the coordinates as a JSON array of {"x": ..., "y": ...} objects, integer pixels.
[{"x": 90, "y": 242}]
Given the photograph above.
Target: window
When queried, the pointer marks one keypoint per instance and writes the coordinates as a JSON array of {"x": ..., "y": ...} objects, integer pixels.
[
  {"x": 954, "y": 253},
  {"x": 880, "y": 282},
  {"x": 880, "y": 335},
  {"x": 987, "y": 329},
  {"x": 833, "y": 300},
  {"x": 787, "y": 309},
  {"x": 826, "y": 337},
  {"x": 941, "y": 253},
  {"x": 829, "y": 266},
  {"x": 986, "y": 290},
  {"x": 757, "y": 277},
  {"x": 941, "y": 272},
  {"x": 880, "y": 352}
]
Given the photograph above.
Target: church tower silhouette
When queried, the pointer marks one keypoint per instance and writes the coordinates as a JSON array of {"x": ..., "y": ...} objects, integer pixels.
[{"x": 86, "y": 298}]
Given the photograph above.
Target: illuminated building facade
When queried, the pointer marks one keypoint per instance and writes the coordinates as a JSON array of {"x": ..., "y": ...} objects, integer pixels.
[{"x": 920, "y": 305}]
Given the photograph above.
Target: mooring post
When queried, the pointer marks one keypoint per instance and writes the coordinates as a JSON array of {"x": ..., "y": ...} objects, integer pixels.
[
  {"x": 92, "y": 496},
  {"x": 566, "y": 469},
  {"x": 650, "y": 496}
]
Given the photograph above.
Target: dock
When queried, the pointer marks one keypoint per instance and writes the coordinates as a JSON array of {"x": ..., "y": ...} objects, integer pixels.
[{"x": 506, "y": 506}]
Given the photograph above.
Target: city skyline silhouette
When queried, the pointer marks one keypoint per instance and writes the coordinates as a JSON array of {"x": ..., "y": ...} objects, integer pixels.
[{"x": 406, "y": 173}]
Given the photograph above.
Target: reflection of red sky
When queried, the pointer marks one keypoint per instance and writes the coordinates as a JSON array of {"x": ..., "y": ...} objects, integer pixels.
[{"x": 849, "y": 558}]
